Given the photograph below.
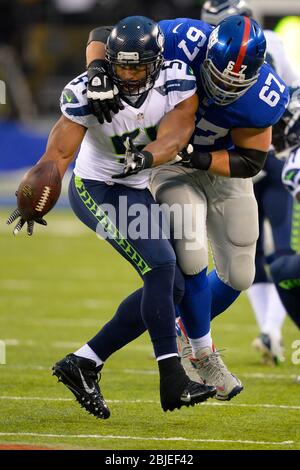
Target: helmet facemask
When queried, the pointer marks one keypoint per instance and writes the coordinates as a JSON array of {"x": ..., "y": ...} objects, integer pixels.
[
  {"x": 235, "y": 53},
  {"x": 224, "y": 87},
  {"x": 133, "y": 87}
]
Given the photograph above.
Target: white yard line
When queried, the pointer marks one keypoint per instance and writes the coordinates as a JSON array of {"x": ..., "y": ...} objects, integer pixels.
[
  {"x": 66, "y": 345},
  {"x": 16, "y": 284},
  {"x": 76, "y": 345},
  {"x": 139, "y": 438},
  {"x": 59, "y": 228},
  {"x": 246, "y": 375},
  {"x": 211, "y": 403},
  {"x": 259, "y": 375}
]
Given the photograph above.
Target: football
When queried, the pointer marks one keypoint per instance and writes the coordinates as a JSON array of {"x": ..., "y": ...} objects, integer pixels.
[{"x": 39, "y": 190}]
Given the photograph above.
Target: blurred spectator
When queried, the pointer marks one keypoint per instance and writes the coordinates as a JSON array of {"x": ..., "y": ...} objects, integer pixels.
[
  {"x": 74, "y": 6},
  {"x": 7, "y": 24}
]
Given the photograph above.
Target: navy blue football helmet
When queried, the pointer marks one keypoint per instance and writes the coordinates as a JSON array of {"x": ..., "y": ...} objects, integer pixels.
[
  {"x": 215, "y": 11},
  {"x": 286, "y": 133},
  {"x": 135, "y": 41},
  {"x": 236, "y": 51}
]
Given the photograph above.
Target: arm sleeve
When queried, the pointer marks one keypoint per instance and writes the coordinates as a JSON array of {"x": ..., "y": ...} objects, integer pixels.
[
  {"x": 246, "y": 163},
  {"x": 100, "y": 34}
]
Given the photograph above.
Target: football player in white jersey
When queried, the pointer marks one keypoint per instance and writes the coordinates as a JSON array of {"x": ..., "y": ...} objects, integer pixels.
[
  {"x": 159, "y": 104},
  {"x": 274, "y": 205}
]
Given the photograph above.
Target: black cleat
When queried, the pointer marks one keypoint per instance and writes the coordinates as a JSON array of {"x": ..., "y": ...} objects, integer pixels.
[
  {"x": 177, "y": 390},
  {"x": 193, "y": 393},
  {"x": 80, "y": 375}
]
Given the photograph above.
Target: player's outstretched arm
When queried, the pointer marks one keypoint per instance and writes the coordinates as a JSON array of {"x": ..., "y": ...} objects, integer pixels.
[
  {"x": 63, "y": 142},
  {"x": 40, "y": 188}
]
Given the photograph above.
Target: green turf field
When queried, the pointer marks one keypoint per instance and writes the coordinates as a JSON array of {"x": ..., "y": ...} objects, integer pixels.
[{"x": 56, "y": 290}]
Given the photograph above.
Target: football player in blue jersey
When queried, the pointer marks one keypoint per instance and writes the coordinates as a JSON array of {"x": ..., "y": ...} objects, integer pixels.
[
  {"x": 241, "y": 97},
  {"x": 275, "y": 205}
]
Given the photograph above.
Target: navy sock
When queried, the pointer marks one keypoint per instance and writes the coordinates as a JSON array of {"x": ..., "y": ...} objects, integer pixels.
[
  {"x": 285, "y": 272},
  {"x": 157, "y": 309},
  {"x": 195, "y": 307},
  {"x": 222, "y": 294}
]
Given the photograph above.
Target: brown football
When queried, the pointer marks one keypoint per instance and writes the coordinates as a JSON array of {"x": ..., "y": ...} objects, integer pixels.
[{"x": 39, "y": 190}]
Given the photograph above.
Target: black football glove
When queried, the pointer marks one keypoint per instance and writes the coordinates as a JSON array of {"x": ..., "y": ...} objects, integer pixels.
[
  {"x": 135, "y": 161},
  {"x": 102, "y": 93},
  {"x": 184, "y": 156},
  {"x": 30, "y": 223},
  {"x": 190, "y": 158}
]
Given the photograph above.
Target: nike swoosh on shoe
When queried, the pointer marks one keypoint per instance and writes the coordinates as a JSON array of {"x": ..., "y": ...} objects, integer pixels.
[
  {"x": 186, "y": 398},
  {"x": 85, "y": 385}
]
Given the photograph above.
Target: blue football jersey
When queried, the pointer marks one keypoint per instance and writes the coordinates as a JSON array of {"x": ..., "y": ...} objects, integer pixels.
[{"x": 260, "y": 107}]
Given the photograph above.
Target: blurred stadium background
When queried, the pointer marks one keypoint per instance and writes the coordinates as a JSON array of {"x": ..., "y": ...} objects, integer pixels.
[{"x": 42, "y": 46}]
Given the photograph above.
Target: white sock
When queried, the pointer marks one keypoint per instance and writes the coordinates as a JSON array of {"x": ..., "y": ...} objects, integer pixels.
[
  {"x": 275, "y": 313},
  {"x": 88, "y": 353},
  {"x": 258, "y": 296},
  {"x": 199, "y": 343},
  {"x": 166, "y": 356}
]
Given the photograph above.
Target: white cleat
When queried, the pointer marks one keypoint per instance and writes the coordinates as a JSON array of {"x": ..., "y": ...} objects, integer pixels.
[
  {"x": 213, "y": 371},
  {"x": 271, "y": 348}
]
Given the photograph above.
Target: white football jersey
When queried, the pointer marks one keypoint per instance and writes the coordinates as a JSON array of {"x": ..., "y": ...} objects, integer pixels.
[
  {"x": 291, "y": 173},
  {"x": 278, "y": 58},
  {"x": 102, "y": 151}
]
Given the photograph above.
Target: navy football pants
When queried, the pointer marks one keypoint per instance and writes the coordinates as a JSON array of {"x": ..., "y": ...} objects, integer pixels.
[
  {"x": 276, "y": 205},
  {"x": 98, "y": 205}
]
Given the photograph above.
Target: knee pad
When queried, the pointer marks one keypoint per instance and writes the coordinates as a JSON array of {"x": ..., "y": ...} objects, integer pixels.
[
  {"x": 241, "y": 216},
  {"x": 241, "y": 272},
  {"x": 191, "y": 262}
]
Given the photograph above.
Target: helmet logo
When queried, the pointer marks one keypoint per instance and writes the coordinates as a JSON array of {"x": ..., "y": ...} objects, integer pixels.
[
  {"x": 128, "y": 56},
  {"x": 213, "y": 38},
  {"x": 230, "y": 67}
]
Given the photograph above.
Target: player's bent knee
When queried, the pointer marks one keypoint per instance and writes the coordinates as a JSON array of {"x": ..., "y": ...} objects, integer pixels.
[
  {"x": 191, "y": 261},
  {"x": 241, "y": 217},
  {"x": 277, "y": 269},
  {"x": 285, "y": 268},
  {"x": 241, "y": 272}
]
